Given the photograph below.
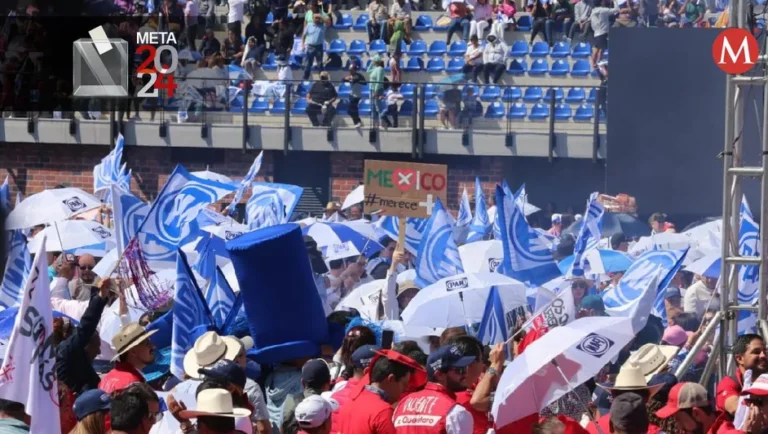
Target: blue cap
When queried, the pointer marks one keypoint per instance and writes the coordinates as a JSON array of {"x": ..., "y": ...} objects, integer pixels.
[
  {"x": 362, "y": 356},
  {"x": 447, "y": 356},
  {"x": 315, "y": 374},
  {"x": 672, "y": 292},
  {"x": 90, "y": 402},
  {"x": 225, "y": 371}
]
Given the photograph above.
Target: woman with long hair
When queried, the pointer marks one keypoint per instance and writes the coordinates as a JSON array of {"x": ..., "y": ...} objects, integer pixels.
[
  {"x": 91, "y": 410},
  {"x": 356, "y": 337}
]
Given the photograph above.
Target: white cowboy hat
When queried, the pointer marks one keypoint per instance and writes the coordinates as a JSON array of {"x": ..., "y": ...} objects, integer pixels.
[
  {"x": 208, "y": 349},
  {"x": 652, "y": 358},
  {"x": 215, "y": 402},
  {"x": 234, "y": 347},
  {"x": 631, "y": 378},
  {"x": 129, "y": 336}
]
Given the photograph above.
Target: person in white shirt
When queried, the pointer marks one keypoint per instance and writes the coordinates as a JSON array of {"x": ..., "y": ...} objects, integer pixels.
[
  {"x": 473, "y": 59},
  {"x": 392, "y": 96},
  {"x": 482, "y": 14},
  {"x": 701, "y": 296},
  {"x": 601, "y": 22},
  {"x": 494, "y": 58},
  {"x": 190, "y": 21},
  {"x": 235, "y": 16}
]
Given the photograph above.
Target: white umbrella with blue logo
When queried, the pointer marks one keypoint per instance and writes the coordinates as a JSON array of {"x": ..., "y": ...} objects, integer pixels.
[{"x": 50, "y": 206}]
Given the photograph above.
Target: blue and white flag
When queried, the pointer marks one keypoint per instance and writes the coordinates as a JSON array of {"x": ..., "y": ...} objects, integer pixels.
[
  {"x": 17, "y": 268},
  {"x": 749, "y": 244},
  {"x": 263, "y": 194},
  {"x": 19, "y": 198},
  {"x": 527, "y": 256},
  {"x": 171, "y": 219},
  {"x": 246, "y": 182},
  {"x": 589, "y": 235},
  {"x": 493, "y": 326},
  {"x": 124, "y": 180},
  {"x": 109, "y": 171},
  {"x": 205, "y": 265},
  {"x": 438, "y": 256},
  {"x": 5, "y": 197},
  {"x": 189, "y": 312},
  {"x": 268, "y": 211},
  {"x": 640, "y": 291},
  {"x": 220, "y": 298},
  {"x": 464, "y": 219},
  {"x": 414, "y": 230},
  {"x": 128, "y": 213},
  {"x": 481, "y": 225}
]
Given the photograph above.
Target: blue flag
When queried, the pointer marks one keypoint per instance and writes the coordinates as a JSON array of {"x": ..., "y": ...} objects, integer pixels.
[
  {"x": 128, "y": 213},
  {"x": 270, "y": 194},
  {"x": 493, "y": 326},
  {"x": 589, "y": 235},
  {"x": 414, "y": 230},
  {"x": 17, "y": 268},
  {"x": 246, "y": 182},
  {"x": 5, "y": 197},
  {"x": 109, "y": 171},
  {"x": 220, "y": 298},
  {"x": 438, "y": 256},
  {"x": 189, "y": 312},
  {"x": 205, "y": 265},
  {"x": 749, "y": 236},
  {"x": 527, "y": 256},
  {"x": 464, "y": 219},
  {"x": 481, "y": 225}
]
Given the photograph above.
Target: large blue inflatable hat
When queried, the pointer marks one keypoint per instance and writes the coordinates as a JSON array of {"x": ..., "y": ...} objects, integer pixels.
[{"x": 285, "y": 315}]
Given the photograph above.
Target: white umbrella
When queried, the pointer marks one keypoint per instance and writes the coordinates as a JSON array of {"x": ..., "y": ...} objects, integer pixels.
[
  {"x": 340, "y": 251},
  {"x": 366, "y": 228},
  {"x": 356, "y": 196},
  {"x": 213, "y": 176},
  {"x": 227, "y": 231},
  {"x": 70, "y": 235},
  {"x": 708, "y": 266},
  {"x": 50, "y": 206},
  {"x": 460, "y": 300},
  {"x": 580, "y": 349},
  {"x": 481, "y": 256},
  {"x": 364, "y": 298},
  {"x": 107, "y": 263},
  {"x": 406, "y": 275},
  {"x": 662, "y": 241}
]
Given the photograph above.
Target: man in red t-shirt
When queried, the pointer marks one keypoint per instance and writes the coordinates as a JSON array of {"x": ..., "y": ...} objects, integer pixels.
[
  {"x": 134, "y": 352},
  {"x": 479, "y": 411},
  {"x": 689, "y": 404},
  {"x": 749, "y": 353}
]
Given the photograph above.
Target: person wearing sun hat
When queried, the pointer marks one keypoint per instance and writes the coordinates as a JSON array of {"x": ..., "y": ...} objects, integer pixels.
[
  {"x": 215, "y": 412},
  {"x": 134, "y": 352},
  {"x": 652, "y": 359}
]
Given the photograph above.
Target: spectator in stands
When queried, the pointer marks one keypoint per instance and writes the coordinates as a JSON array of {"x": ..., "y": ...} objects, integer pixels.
[
  {"x": 628, "y": 13},
  {"x": 399, "y": 37},
  {"x": 314, "y": 36},
  {"x": 562, "y": 14},
  {"x": 669, "y": 15},
  {"x": 320, "y": 100},
  {"x": 378, "y": 22},
  {"x": 460, "y": 20},
  {"x": 581, "y": 21},
  {"x": 376, "y": 76},
  {"x": 283, "y": 41},
  {"x": 469, "y": 102},
  {"x": 210, "y": 45},
  {"x": 206, "y": 13},
  {"x": 233, "y": 48},
  {"x": 252, "y": 56},
  {"x": 505, "y": 17},
  {"x": 279, "y": 10},
  {"x": 601, "y": 22},
  {"x": 692, "y": 13},
  {"x": 394, "y": 66},
  {"x": 356, "y": 82},
  {"x": 299, "y": 13},
  {"x": 449, "y": 107},
  {"x": 235, "y": 16},
  {"x": 256, "y": 29},
  {"x": 401, "y": 11},
  {"x": 539, "y": 11},
  {"x": 312, "y": 9},
  {"x": 190, "y": 21},
  {"x": 392, "y": 96},
  {"x": 482, "y": 16},
  {"x": 173, "y": 17},
  {"x": 473, "y": 59},
  {"x": 494, "y": 59}
]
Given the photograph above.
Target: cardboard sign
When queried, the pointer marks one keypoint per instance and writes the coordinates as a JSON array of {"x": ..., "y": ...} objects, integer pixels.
[{"x": 404, "y": 189}]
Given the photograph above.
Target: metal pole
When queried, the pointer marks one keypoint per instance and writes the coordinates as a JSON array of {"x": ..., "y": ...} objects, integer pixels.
[
  {"x": 714, "y": 356},
  {"x": 552, "y": 139},
  {"x": 698, "y": 346},
  {"x": 734, "y": 220},
  {"x": 763, "y": 276},
  {"x": 414, "y": 123},
  {"x": 729, "y": 126},
  {"x": 245, "y": 115},
  {"x": 287, "y": 119},
  {"x": 422, "y": 110}
]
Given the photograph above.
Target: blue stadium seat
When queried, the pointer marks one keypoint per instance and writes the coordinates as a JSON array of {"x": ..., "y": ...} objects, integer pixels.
[
  {"x": 585, "y": 112},
  {"x": 417, "y": 48},
  {"x": 366, "y": 90},
  {"x": 407, "y": 90},
  {"x": 580, "y": 68},
  {"x": 344, "y": 23},
  {"x": 562, "y": 112},
  {"x": 278, "y": 107},
  {"x": 431, "y": 108},
  {"x": 415, "y": 64},
  {"x": 270, "y": 19},
  {"x": 403, "y": 47},
  {"x": 517, "y": 111},
  {"x": 423, "y": 23},
  {"x": 270, "y": 64},
  {"x": 495, "y": 110},
  {"x": 457, "y": 48},
  {"x": 582, "y": 50},
  {"x": 406, "y": 109},
  {"x": 519, "y": 49},
  {"x": 561, "y": 49},
  {"x": 338, "y": 46},
  {"x": 302, "y": 89},
  {"x": 512, "y": 94},
  {"x": 236, "y": 106},
  {"x": 344, "y": 90},
  {"x": 456, "y": 64},
  {"x": 436, "y": 64},
  {"x": 299, "y": 107},
  {"x": 430, "y": 90},
  {"x": 592, "y": 97},
  {"x": 540, "y": 49},
  {"x": 259, "y": 105},
  {"x": 524, "y": 23},
  {"x": 437, "y": 48},
  {"x": 365, "y": 107},
  {"x": 465, "y": 90},
  {"x": 575, "y": 95},
  {"x": 490, "y": 93},
  {"x": 533, "y": 94},
  {"x": 361, "y": 23},
  {"x": 517, "y": 67},
  {"x": 342, "y": 108},
  {"x": 378, "y": 46},
  {"x": 559, "y": 68},
  {"x": 538, "y": 67},
  {"x": 439, "y": 28},
  {"x": 357, "y": 48},
  {"x": 558, "y": 94},
  {"x": 539, "y": 112}
]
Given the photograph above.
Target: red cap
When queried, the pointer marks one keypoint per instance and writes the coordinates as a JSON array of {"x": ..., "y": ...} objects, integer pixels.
[
  {"x": 682, "y": 396},
  {"x": 759, "y": 387},
  {"x": 418, "y": 377}
]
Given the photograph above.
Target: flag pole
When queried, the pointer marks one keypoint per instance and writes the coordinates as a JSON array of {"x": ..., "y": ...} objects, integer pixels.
[{"x": 522, "y": 327}]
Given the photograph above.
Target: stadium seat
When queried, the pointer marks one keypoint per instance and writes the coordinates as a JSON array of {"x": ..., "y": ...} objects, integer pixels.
[
  {"x": 559, "y": 68},
  {"x": 361, "y": 23},
  {"x": 259, "y": 105},
  {"x": 299, "y": 107},
  {"x": 601, "y": 112},
  {"x": 430, "y": 90},
  {"x": 378, "y": 46},
  {"x": 344, "y": 23},
  {"x": 490, "y": 93},
  {"x": 436, "y": 64},
  {"x": 406, "y": 109},
  {"x": 407, "y": 90},
  {"x": 356, "y": 60},
  {"x": 478, "y": 112},
  {"x": 342, "y": 108},
  {"x": 585, "y": 112},
  {"x": 364, "y": 107},
  {"x": 431, "y": 108},
  {"x": 338, "y": 46},
  {"x": 533, "y": 94},
  {"x": 495, "y": 110},
  {"x": 592, "y": 97},
  {"x": 403, "y": 47},
  {"x": 423, "y": 23},
  {"x": 344, "y": 90},
  {"x": 575, "y": 95},
  {"x": 270, "y": 19},
  {"x": 415, "y": 64},
  {"x": 517, "y": 111},
  {"x": 270, "y": 64},
  {"x": 519, "y": 49},
  {"x": 517, "y": 67},
  {"x": 417, "y": 48},
  {"x": 562, "y": 112},
  {"x": 538, "y": 67},
  {"x": 366, "y": 90},
  {"x": 457, "y": 48},
  {"x": 302, "y": 89},
  {"x": 524, "y": 23},
  {"x": 465, "y": 90},
  {"x": 440, "y": 28},
  {"x": 540, "y": 49},
  {"x": 357, "y": 48},
  {"x": 278, "y": 107},
  {"x": 236, "y": 106},
  {"x": 580, "y": 68},
  {"x": 437, "y": 48},
  {"x": 539, "y": 112},
  {"x": 558, "y": 94},
  {"x": 561, "y": 49},
  {"x": 512, "y": 94},
  {"x": 582, "y": 50},
  {"x": 456, "y": 64}
]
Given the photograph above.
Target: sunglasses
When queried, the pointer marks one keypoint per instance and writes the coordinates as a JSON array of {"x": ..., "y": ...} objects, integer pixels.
[
  {"x": 460, "y": 371},
  {"x": 85, "y": 267},
  {"x": 579, "y": 285},
  {"x": 156, "y": 417}
]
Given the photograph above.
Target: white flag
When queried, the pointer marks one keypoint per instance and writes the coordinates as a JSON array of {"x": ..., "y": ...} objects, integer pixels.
[{"x": 27, "y": 375}]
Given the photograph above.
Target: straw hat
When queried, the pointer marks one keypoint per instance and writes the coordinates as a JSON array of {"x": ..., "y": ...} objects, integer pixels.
[
  {"x": 652, "y": 358},
  {"x": 129, "y": 336},
  {"x": 631, "y": 378},
  {"x": 208, "y": 349},
  {"x": 215, "y": 402},
  {"x": 234, "y": 347}
]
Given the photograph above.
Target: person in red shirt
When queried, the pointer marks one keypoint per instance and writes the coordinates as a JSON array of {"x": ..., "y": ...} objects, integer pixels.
[
  {"x": 749, "y": 353},
  {"x": 472, "y": 347},
  {"x": 360, "y": 359},
  {"x": 689, "y": 404},
  {"x": 134, "y": 352}
]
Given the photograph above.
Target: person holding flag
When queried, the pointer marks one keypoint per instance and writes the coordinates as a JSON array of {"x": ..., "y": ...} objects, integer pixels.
[{"x": 134, "y": 352}]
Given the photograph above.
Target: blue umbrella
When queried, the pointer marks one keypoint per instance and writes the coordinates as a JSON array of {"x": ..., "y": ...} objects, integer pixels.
[
  {"x": 8, "y": 317},
  {"x": 328, "y": 234},
  {"x": 611, "y": 261}
]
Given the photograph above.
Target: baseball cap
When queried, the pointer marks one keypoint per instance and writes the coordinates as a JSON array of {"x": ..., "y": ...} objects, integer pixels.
[
  {"x": 759, "y": 387},
  {"x": 315, "y": 373},
  {"x": 362, "y": 356},
  {"x": 672, "y": 292},
  {"x": 225, "y": 371},
  {"x": 682, "y": 396},
  {"x": 593, "y": 302},
  {"x": 628, "y": 410},
  {"x": 617, "y": 239},
  {"x": 313, "y": 411},
  {"x": 557, "y": 218},
  {"x": 447, "y": 356},
  {"x": 90, "y": 402}
]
